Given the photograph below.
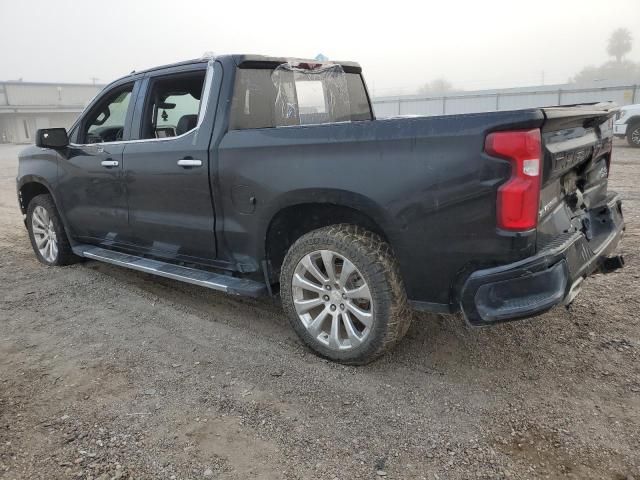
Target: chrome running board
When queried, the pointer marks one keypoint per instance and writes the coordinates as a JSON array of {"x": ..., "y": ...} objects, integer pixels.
[{"x": 203, "y": 278}]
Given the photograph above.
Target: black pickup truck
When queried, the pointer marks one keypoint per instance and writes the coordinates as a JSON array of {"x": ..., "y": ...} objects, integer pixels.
[{"x": 259, "y": 175}]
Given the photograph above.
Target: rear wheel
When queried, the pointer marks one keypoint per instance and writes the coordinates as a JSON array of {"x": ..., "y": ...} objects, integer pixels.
[
  {"x": 633, "y": 135},
  {"x": 46, "y": 232},
  {"x": 342, "y": 291}
]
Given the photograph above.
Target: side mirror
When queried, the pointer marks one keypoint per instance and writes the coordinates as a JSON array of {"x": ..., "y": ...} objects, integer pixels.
[{"x": 52, "y": 138}]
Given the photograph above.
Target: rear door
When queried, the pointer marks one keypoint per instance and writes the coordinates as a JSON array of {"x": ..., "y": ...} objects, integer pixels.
[
  {"x": 166, "y": 169},
  {"x": 91, "y": 184}
]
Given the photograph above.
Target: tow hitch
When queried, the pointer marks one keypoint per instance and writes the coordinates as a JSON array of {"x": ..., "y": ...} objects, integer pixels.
[{"x": 610, "y": 264}]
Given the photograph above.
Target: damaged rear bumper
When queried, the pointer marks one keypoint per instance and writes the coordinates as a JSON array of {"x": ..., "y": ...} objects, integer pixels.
[{"x": 552, "y": 276}]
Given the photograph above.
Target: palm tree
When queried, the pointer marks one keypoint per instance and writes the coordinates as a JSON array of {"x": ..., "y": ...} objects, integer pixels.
[{"x": 619, "y": 43}]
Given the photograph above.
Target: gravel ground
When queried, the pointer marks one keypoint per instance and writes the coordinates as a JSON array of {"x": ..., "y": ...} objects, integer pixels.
[{"x": 108, "y": 373}]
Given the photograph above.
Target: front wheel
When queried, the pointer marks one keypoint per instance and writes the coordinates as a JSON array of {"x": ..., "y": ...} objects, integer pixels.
[
  {"x": 342, "y": 292},
  {"x": 633, "y": 135},
  {"x": 46, "y": 232}
]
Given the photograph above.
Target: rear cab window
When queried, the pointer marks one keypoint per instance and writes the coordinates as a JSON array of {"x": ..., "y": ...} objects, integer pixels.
[{"x": 291, "y": 94}]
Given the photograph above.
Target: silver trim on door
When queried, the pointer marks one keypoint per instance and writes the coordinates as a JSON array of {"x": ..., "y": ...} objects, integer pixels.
[
  {"x": 189, "y": 162},
  {"x": 109, "y": 163},
  {"x": 206, "y": 93}
]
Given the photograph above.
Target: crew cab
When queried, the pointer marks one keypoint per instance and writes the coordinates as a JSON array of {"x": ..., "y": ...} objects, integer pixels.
[
  {"x": 627, "y": 124},
  {"x": 264, "y": 176}
]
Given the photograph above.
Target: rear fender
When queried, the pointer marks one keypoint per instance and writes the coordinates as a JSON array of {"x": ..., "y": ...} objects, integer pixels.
[{"x": 336, "y": 197}]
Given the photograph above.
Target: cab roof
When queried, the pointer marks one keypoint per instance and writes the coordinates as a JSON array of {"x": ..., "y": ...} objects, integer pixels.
[{"x": 255, "y": 61}]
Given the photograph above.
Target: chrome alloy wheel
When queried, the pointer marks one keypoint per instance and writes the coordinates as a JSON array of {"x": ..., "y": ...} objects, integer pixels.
[
  {"x": 332, "y": 300},
  {"x": 44, "y": 234},
  {"x": 635, "y": 136}
]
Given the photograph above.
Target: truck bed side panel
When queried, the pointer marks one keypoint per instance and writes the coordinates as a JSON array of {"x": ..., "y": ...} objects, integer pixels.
[{"x": 425, "y": 181}]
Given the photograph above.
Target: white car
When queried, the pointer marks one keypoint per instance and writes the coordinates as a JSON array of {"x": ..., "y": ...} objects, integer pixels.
[{"x": 627, "y": 124}]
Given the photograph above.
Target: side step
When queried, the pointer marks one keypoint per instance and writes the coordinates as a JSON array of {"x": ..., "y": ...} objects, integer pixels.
[{"x": 204, "y": 278}]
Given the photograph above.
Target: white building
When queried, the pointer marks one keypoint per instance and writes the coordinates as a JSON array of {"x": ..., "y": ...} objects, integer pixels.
[
  {"x": 26, "y": 106},
  {"x": 453, "y": 103}
]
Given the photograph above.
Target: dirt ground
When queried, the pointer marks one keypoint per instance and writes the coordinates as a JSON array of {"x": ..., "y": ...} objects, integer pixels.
[{"x": 108, "y": 373}]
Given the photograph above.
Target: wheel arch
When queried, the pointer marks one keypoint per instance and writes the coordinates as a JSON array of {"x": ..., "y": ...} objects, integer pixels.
[
  {"x": 635, "y": 119},
  {"x": 30, "y": 186},
  {"x": 312, "y": 211}
]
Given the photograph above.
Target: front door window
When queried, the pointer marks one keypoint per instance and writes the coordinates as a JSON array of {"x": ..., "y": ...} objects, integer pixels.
[{"x": 106, "y": 122}]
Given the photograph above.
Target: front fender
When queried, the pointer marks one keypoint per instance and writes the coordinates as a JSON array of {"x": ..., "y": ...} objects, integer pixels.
[{"x": 39, "y": 166}]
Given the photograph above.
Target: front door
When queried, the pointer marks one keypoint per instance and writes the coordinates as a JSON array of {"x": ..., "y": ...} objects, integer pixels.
[
  {"x": 166, "y": 170},
  {"x": 90, "y": 177}
]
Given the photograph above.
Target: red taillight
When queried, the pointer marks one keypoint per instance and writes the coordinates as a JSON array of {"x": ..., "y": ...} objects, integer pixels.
[{"x": 518, "y": 198}]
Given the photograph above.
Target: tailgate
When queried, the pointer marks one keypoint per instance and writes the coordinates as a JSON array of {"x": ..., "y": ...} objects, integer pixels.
[{"x": 577, "y": 143}]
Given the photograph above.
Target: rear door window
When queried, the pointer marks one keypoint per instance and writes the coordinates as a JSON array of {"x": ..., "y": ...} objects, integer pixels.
[{"x": 172, "y": 105}]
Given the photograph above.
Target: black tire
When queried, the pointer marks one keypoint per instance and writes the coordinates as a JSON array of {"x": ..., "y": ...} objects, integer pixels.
[
  {"x": 376, "y": 264},
  {"x": 65, "y": 255},
  {"x": 633, "y": 135}
]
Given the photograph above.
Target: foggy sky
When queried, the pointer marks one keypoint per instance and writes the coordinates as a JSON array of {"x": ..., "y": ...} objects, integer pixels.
[{"x": 400, "y": 44}]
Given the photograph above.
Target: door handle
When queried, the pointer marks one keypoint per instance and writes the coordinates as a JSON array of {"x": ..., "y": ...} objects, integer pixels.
[
  {"x": 109, "y": 163},
  {"x": 189, "y": 162}
]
